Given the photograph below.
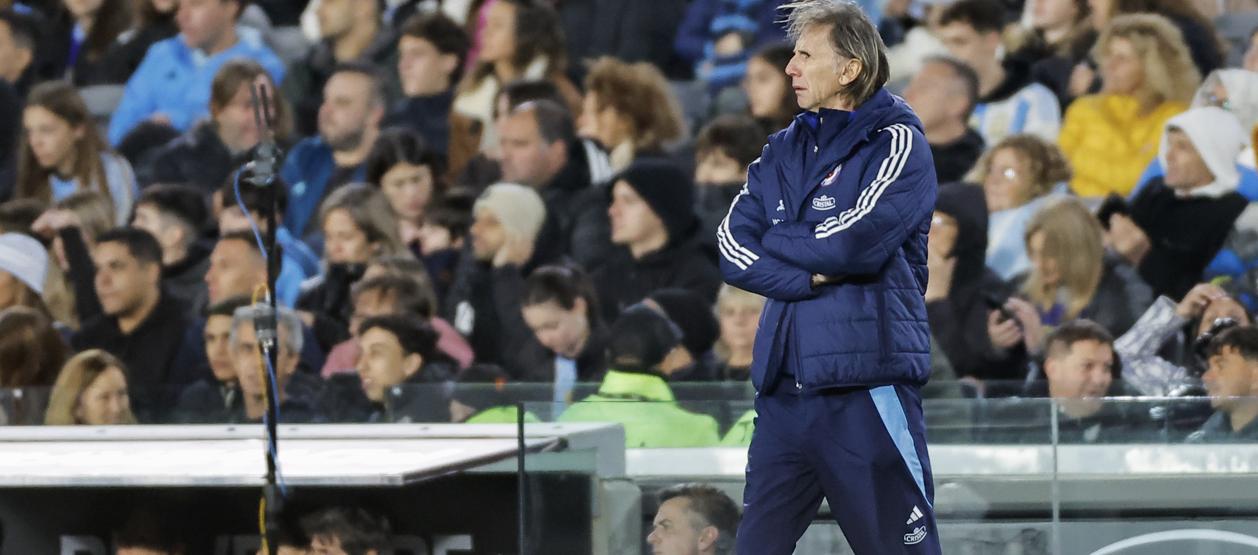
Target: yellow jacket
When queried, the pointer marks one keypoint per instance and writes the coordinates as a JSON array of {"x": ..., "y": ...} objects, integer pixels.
[{"x": 1110, "y": 143}]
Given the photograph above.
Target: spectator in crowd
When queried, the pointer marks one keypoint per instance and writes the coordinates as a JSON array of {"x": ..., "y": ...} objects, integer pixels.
[
  {"x": 1232, "y": 381},
  {"x": 432, "y": 52},
  {"x": 1178, "y": 222},
  {"x": 31, "y": 355},
  {"x": 19, "y": 215},
  {"x": 172, "y": 85},
  {"x": 480, "y": 397},
  {"x": 540, "y": 149},
  {"x": 694, "y": 519},
  {"x": 18, "y": 37},
  {"x": 693, "y": 315},
  {"x": 442, "y": 237},
  {"x": 236, "y": 269},
  {"x": 484, "y": 300},
  {"x": 653, "y": 221},
  {"x": 960, "y": 284},
  {"x": 153, "y": 22},
  {"x": 349, "y": 122},
  {"x": 630, "y": 110},
  {"x": 92, "y": 389},
  {"x": 1147, "y": 78},
  {"x": 83, "y": 33},
  {"x": 72, "y": 224},
  {"x": 358, "y": 225},
  {"x": 63, "y": 153},
  {"x": 346, "y": 531},
  {"x": 176, "y": 215},
  {"x": 1071, "y": 277},
  {"x": 717, "y": 37},
  {"x": 409, "y": 174},
  {"x": 1018, "y": 176},
  {"x": 399, "y": 371},
  {"x": 770, "y": 98},
  {"x": 1146, "y": 367},
  {"x": 299, "y": 393},
  {"x": 521, "y": 39},
  {"x": 214, "y": 398},
  {"x": 1234, "y": 90},
  {"x": 1207, "y": 53},
  {"x": 1009, "y": 100},
  {"x": 23, "y": 272},
  {"x": 723, "y": 150},
  {"x": 560, "y": 307},
  {"x": 738, "y": 313},
  {"x": 643, "y": 347},
  {"x": 296, "y": 257},
  {"x": 1081, "y": 370},
  {"x": 209, "y": 154},
  {"x": 1060, "y": 37},
  {"x": 149, "y": 329},
  {"x": 351, "y": 32},
  {"x": 943, "y": 94}
]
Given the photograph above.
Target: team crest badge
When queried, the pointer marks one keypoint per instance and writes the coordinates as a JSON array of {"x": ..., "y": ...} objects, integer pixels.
[{"x": 832, "y": 176}]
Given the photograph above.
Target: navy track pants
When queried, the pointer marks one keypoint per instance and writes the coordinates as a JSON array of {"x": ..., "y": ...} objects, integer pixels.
[{"x": 863, "y": 449}]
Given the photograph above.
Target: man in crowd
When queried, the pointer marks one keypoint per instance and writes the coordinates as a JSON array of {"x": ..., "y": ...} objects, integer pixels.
[
  {"x": 149, "y": 329},
  {"x": 176, "y": 215},
  {"x": 215, "y": 398},
  {"x": 236, "y": 269},
  {"x": 172, "y": 84},
  {"x": 694, "y": 519},
  {"x": 1080, "y": 366},
  {"x": 298, "y": 261},
  {"x": 723, "y": 150},
  {"x": 299, "y": 393},
  {"x": 346, "y": 531},
  {"x": 397, "y": 369},
  {"x": 432, "y": 51},
  {"x": 1232, "y": 381},
  {"x": 349, "y": 122},
  {"x": 943, "y": 94}
]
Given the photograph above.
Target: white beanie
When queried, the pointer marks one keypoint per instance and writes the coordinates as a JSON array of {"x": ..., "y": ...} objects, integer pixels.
[
  {"x": 519, "y": 208},
  {"x": 1218, "y": 138},
  {"x": 25, "y": 259}
]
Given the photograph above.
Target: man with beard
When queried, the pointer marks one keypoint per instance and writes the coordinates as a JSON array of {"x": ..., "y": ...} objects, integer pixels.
[{"x": 349, "y": 121}]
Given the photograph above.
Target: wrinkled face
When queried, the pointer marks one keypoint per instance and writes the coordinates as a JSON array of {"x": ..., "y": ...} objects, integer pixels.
[
  {"x": 218, "y": 331},
  {"x": 715, "y": 167},
  {"x": 105, "y": 401},
  {"x": 343, "y": 241},
  {"x": 632, "y": 220},
  {"x": 487, "y": 233},
  {"x": 383, "y": 362},
  {"x": 527, "y": 158},
  {"x": 122, "y": 282},
  {"x": 814, "y": 69},
  {"x": 673, "y": 531},
  {"x": 1121, "y": 70},
  {"x": 1008, "y": 181},
  {"x": 1044, "y": 266},
  {"x": 409, "y": 188},
  {"x": 248, "y": 361},
  {"x": 347, "y": 111},
  {"x": 765, "y": 85},
  {"x": 236, "y": 125},
  {"x": 1084, "y": 370},
  {"x": 1185, "y": 169},
  {"x": 933, "y": 105},
  {"x": 563, "y": 331},
  {"x": 202, "y": 23},
  {"x": 498, "y": 36},
  {"x": 51, "y": 138},
  {"x": 965, "y": 43},
  {"x": 1229, "y": 376},
  {"x": 738, "y": 324},
  {"x": 1053, "y": 14},
  {"x": 943, "y": 234},
  {"x": 235, "y": 269},
  {"x": 13, "y": 59},
  {"x": 422, "y": 69}
]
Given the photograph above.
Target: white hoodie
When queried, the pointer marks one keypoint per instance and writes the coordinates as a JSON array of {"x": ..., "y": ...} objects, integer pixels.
[{"x": 1218, "y": 137}]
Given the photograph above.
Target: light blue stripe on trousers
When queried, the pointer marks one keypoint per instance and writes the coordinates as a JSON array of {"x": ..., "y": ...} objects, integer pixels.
[{"x": 893, "y": 418}]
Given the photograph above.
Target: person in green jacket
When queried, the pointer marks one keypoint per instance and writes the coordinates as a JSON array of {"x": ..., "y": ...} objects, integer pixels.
[
  {"x": 480, "y": 397},
  {"x": 644, "y": 346}
]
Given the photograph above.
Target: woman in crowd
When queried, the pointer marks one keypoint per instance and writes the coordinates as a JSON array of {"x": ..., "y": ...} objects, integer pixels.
[
  {"x": 1198, "y": 33},
  {"x": 87, "y": 29},
  {"x": 409, "y": 174},
  {"x": 1060, "y": 37},
  {"x": 63, "y": 152},
  {"x": 31, "y": 353},
  {"x": 1018, "y": 176},
  {"x": 770, "y": 98},
  {"x": 208, "y": 153},
  {"x": 154, "y": 21},
  {"x": 560, "y": 307},
  {"x": 738, "y": 313},
  {"x": 522, "y": 39},
  {"x": 91, "y": 390},
  {"x": 1148, "y": 77},
  {"x": 630, "y": 110}
]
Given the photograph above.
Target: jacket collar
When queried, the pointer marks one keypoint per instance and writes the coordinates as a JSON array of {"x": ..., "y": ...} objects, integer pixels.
[{"x": 631, "y": 384}]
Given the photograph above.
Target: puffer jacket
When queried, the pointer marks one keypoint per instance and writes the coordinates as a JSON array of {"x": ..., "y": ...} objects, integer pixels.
[
  {"x": 1109, "y": 142},
  {"x": 850, "y": 196}
]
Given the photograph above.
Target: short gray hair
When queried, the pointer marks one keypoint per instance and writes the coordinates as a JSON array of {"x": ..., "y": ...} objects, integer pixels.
[
  {"x": 852, "y": 35},
  {"x": 285, "y": 318}
]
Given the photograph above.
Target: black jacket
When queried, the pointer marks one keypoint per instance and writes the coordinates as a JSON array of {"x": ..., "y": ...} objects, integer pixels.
[
  {"x": 328, "y": 298},
  {"x": 427, "y": 115},
  {"x": 953, "y": 160},
  {"x": 210, "y": 401},
  {"x": 711, "y": 204},
  {"x": 623, "y": 281},
  {"x": 422, "y": 397},
  {"x": 576, "y": 212},
  {"x": 186, "y": 279},
  {"x": 197, "y": 158},
  {"x": 1120, "y": 298},
  {"x": 484, "y": 305},
  {"x": 539, "y": 362},
  {"x": 1184, "y": 234}
]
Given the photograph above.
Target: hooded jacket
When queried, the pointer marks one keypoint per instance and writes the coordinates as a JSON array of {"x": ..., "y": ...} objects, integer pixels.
[
  {"x": 954, "y": 160},
  {"x": 959, "y": 321},
  {"x": 623, "y": 280},
  {"x": 846, "y": 195}
]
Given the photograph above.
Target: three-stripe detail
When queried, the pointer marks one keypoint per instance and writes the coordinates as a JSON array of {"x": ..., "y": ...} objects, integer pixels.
[
  {"x": 737, "y": 254},
  {"x": 888, "y": 172}
]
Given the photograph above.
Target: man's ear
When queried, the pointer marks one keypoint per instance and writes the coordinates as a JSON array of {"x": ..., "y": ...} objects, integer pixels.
[
  {"x": 849, "y": 71},
  {"x": 708, "y": 537},
  {"x": 411, "y": 364}
]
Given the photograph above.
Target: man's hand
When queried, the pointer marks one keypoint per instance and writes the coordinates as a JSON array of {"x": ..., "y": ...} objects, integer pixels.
[
  {"x": 515, "y": 251},
  {"x": 1029, "y": 318},
  {"x": 1127, "y": 239},
  {"x": 1196, "y": 301},
  {"x": 1004, "y": 333},
  {"x": 818, "y": 280}
]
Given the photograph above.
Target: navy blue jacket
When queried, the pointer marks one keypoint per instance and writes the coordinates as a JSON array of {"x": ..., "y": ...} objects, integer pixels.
[{"x": 850, "y": 196}]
